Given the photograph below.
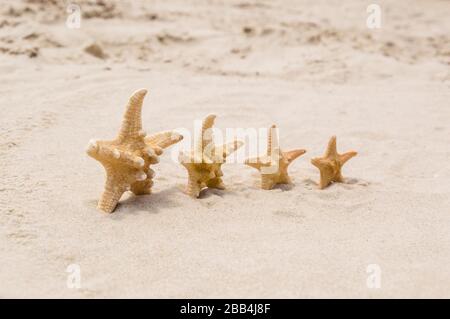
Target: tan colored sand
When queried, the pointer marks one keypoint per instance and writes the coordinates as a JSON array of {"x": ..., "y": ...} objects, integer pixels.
[{"x": 311, "y": 67}]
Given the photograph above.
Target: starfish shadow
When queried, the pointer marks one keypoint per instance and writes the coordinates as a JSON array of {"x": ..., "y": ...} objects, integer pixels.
[
  {"x": 310, "y": 183},
  {"x": 351, "y": 182},
  {"x": 284, "y": 187},
  {"x": 209, "y": 192},
  {"x": 348, "y": 183},
  {"x": 356, "y": 181},
  {"x": 91, "y": 203},
  {"x": 152, "y": 203}
]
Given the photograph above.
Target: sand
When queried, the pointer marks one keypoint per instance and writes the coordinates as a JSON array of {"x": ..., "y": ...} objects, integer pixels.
[{"x": 311, "y": 67}]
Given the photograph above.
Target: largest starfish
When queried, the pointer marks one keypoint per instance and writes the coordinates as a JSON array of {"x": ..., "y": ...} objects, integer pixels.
[
  {"x": 274, "y": 165},
  {"x": 127, "y": 158},
  {"x": 331, "y": 163},
  {"x": 204, "y": 162}
]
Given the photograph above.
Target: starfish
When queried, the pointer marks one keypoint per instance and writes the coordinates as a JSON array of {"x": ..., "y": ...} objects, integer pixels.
[
  {"x": 274, "y": 165},
  {"x": 331, "y": 163},
  {"x": 127, "y": 158},
  {"x": 204, "y": 162}
]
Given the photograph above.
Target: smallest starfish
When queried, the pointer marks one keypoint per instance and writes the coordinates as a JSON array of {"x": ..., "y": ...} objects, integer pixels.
[
  {"x": 273, "y": 166},
  {"x": 331, "y": 163}
]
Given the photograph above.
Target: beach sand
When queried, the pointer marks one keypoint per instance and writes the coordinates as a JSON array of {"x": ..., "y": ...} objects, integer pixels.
[{"x": 311, "y": 67}]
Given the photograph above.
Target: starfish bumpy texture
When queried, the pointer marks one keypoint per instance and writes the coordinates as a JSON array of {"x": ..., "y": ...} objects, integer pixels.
[
  {"x": 331, "y": 163},
  {"x": 274, "y": 165},
  {"x": 127, "y": 158},
  {"x": 204, "y": 162}
]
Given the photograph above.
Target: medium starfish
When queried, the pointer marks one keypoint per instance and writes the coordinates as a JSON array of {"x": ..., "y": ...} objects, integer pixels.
[
  {"x": 127, "y": 158},
  {"x": 204, "y": 162},
  {"x": 274, "y": 165},
  {"x": 331, "y": 163}
]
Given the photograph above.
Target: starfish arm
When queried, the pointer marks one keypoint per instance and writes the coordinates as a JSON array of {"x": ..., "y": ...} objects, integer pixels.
[
  {"x": 163, "y": 139},
  {"x": 132, "y": 122},
  {"x": 143, "y": 187},
  {"x": 128, "y": 159},
  {"x": 254, "y": 162},
  {"x": 272, "y": 140},
  {"x": 219, "y": 172},
  {"x": 206, "y": 136},
  {"x": 284, "y": 178},
  {"x": 109, "y": 199},
  {"x": 292, "y": 155},
  {"x": 271, "y": 167},
  {"x": 329, "y": 173},
  {"x": 151, "y": 155},
  {"x": 216, "y": 183},
  {"x": 228, "y": 148},
  {"x": 111, "y": 154},
  {"x": 338, "y": 178},
  {"x": 331, "y": 148},
  {"x": 153, "y": 150},
  {"x": 325, "y": 179},
  {"x": 193, "y": 188},
  {"x": 346, "y": 156},
  {"x": 112, "y": 193},
  {"x": 267, "y": 182},
  {"x": 319, "y": 162},
  {"x": 209, "y": 154}
]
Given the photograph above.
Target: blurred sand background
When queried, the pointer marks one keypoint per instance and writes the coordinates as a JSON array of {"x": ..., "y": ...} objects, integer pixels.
[{"x": 311, "y": 67}]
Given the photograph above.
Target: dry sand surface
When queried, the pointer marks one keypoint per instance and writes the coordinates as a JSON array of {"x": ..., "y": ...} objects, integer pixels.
[{"x": 311, "y": 67}]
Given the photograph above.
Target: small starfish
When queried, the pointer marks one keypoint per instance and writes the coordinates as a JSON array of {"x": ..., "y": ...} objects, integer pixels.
[
  {"x": 204, "y": 162},
  {"x": 331, "y": 163},
  {"x": 274, "y": 165},
  {"x": 127, "y": 158}
]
